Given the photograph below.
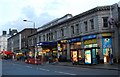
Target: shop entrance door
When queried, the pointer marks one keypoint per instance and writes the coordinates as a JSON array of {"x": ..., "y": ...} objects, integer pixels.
[
  {"x": 107, "y": 52},
  {"x": 74, "y": 57},
  {"x": 90, "y": 55}
]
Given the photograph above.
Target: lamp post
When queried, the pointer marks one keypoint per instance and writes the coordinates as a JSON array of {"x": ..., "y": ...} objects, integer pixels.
[{"x": 33, "y": 37}]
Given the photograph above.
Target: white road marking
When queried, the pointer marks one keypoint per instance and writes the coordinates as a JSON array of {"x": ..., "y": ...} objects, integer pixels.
[
  {"x": 28, "y": 66},
  {"x": 65, "y": 73},
  {"x": 44, "y": 69}
]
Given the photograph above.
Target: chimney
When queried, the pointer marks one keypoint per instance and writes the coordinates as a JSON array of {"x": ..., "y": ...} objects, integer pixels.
[
  {"x": 10, "y": 31},
  {"x": 4, "y": 32}
]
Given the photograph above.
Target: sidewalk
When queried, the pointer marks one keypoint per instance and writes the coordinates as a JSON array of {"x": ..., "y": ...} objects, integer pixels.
[{"x": 98, "y": 66}]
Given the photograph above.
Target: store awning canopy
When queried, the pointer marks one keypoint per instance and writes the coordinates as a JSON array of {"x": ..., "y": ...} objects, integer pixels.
[
  {"x": 25, "y": 50},
  {"x": 6, "y": 52},
  {"x": 46, "y": 43}
]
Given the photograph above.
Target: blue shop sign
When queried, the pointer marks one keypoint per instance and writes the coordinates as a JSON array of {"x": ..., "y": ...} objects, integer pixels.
[
  {"x": 74, "y": 40},
  {"x": 46, "y": 43},
  {"x": 107, "y": 42},
  {"x": 89, "y": 37}
]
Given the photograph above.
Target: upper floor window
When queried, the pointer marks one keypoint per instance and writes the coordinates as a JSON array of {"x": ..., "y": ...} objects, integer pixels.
[
  {"x": 77, "y": 28},
  {"x": 55, "y": 35},
  {"x": 51, "y": 36},
  {"x": 92, "y": 23},
  {"x": 62, "y": 32},
  {"x": 39, "y": 38},
  {"x": 105, "y": 21},
  {"x": 72, "y": 29},
  {"x": 86, "y": 28},
  {"x": 43, "y": 37},
  {"x": 47, "y": 37}
]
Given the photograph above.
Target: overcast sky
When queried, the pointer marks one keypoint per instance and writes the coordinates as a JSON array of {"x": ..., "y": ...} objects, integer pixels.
[{"x": 13, "y": 12}]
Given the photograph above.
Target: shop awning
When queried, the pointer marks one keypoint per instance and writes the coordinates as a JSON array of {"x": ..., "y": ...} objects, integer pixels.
[
  {"x": 6, "y": 52},
  {"x": 46, "y": 43},
  {"x": 25, "y": 50}
]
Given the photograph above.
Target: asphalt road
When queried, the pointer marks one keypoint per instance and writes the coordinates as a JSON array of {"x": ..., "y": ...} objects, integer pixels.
[{"x": 21, "y": 68}]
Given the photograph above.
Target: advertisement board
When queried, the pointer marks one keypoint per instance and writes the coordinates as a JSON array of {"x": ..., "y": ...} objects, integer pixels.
[{"x": 88, "y": 57}]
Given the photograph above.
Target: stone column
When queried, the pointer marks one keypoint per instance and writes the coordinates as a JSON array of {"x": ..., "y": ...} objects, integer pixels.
[{"x": 68, "y": 51}]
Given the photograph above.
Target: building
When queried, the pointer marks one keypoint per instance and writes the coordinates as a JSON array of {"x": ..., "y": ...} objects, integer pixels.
[
  {"x": 19, "y": 41},
  {"x": 3, "y": 41},
  {"x": 83, "y": 36}
]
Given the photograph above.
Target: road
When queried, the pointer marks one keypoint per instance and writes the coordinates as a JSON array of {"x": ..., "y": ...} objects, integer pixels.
[{"x": 21, "y": 68}]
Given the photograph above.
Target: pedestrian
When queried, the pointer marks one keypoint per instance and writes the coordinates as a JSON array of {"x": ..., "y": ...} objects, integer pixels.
[
  {"x": 111, "y": 59},
  {"x": 98, "y": 58}
]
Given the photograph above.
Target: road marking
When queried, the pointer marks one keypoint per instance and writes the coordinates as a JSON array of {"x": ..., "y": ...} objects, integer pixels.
[
  {"x": 65, "y": 73},
  {"x": 44, "y": 69},
  {"x": 28, "y": 66}
]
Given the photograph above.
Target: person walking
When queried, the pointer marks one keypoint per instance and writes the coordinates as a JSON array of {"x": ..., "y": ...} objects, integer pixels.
[
  {"x": 98, "y": 58},
  {"x": 111, "y": 59}
]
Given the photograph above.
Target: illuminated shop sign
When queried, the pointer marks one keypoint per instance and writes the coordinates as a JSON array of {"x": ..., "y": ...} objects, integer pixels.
[
  {"x": 89, "y": 37},
  {"x": 87, "y": 57},
  {"x": 47, "y": 43},
  {"x": 74, "y": 40},
  {"x": 63, "y": 41},
  {"x": 107, "y": 42},
  {"x": 92, "y": 41},
  {"x": 106, "y": 34}
]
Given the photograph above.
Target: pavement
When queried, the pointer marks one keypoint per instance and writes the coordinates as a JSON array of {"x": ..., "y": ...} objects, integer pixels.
[{"x": 97, "y": 66}]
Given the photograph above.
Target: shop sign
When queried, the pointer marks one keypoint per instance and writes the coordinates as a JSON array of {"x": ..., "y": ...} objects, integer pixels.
[
  {"x": 92, "y": 41},
  {"x": 89, "y": 37},
  {"x": 106, "y": 34},
  {"x": 107, "y": 42},
  {"x": 63, "y": 41},
  {"x": 74, "y": 40}
]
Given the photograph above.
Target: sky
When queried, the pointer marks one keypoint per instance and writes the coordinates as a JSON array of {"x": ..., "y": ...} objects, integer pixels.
[{"x": 13, "y": 12}]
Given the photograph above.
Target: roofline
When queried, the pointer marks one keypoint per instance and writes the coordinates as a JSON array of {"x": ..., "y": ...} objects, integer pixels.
[{"x": 96, "y": 9}]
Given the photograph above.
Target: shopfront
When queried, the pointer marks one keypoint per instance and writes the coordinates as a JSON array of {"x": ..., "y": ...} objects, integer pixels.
[
  {"x": 90, "y": 49},
  {"x": 47, "y": 50},
  {"x": 76, "y": 51},
  {"x": 62, "y": 50},
  {"x": 107, "y": 46}
]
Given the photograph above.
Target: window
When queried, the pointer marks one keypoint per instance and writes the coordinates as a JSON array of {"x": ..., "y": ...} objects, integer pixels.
[
  {"x": 51, "y": 36},
  {"x": 43, "y": 37},
  {"x": 47, "y": 36},
  {"x": 105, "y": 21},
  {"x": 92, "y": 24},
  {"x": 85, "y": 23},
  {"x": 62, "y": 32},
  {"x": 77, "y": 28},
  {"x": 72, "y": 29},
  {"x": 55, "y": 35},
  {"x": 39, "y": 38}
]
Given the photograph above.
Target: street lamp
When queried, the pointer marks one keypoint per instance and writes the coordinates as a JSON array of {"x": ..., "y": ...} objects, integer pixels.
[
  {"x": 33, "y": 37},
  {"x": 32, "y": 22}
]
